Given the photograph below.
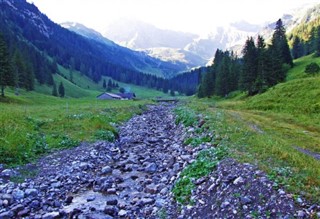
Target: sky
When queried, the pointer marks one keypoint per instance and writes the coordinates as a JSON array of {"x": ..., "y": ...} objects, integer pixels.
[{"x": 195, "y": 16}]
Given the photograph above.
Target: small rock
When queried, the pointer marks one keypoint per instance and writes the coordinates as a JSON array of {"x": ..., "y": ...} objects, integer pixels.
[
  {"x": 146, "y": 201},
  {"x": 238, "y": 180},
  {"x": 152, "y": 189},
  {"x": 122, "y": 213},
  {"x": 23, "y": 213},
  {"x": 69, "y": 199},
  {"x": 35, "y": 204},
  {"x": 225, "y": 204},
  {"x": 7, "y": 197},
  {"x": 245, "y": 200},
  {"x": 17, "y": 208},
  {"x": 18, "y": 194},
  {"x": 112, "y": 202},
  {"x": 7, "y": 215},
  {"x": 91, "y": 198},
  {"x": 110, "y": 210},
  {"x": 51, "y": 215},
  {"x": 151, "y": 168},
  {"x": 31, "y": 192},
  {"x": 106, "y": 170},
  {"x": 301, "y": 214}
]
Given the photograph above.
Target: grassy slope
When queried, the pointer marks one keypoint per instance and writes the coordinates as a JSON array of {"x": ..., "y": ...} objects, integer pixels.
[
  {"x": 82, "y": 86},
  {"x": 265, "y": 129},
  {"x": 36, "y": 123}
]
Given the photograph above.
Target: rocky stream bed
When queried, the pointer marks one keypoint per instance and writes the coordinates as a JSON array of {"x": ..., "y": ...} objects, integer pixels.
[{"x": 134, "y": 177}]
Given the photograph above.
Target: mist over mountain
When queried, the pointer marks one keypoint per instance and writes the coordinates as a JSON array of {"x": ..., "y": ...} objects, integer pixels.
[{"x": 195, "y": 50}]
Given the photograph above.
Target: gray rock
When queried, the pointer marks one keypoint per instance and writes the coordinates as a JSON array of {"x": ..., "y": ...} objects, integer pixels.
[
  {"x": 238, "y": 180},
  {"x": 18, "y": 194},
  {"x": 8, "y": 197},
  {"x": 122, "y": 213},
  {"x": 51, "y": 215},
  {"x": 7, "y": 215},
  {"x": 111, "y": 210},
  {"x": 31, "y": 192},
  {"x": 35, "y": 204},
  {"x": 17, "y": 208},
  {"x": 225, "y": 204},
  {"x": 106, "y": 170},
  {"x": 245, "y": 200},
  {"x": 91, "y": 198},
  {"x": 147, "y": 201},
  {"x": 112, "y": 201},
  {"x": 151, "y": 168},
  {"x": 8, "y": 173},
  {"x": 23, "y": 213}
]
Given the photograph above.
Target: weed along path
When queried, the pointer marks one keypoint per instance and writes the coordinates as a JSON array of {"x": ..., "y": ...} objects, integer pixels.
[{"x": 143, "y": 175}]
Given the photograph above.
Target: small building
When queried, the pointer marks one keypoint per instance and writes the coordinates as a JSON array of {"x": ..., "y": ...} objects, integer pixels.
[{"x": 109, "y": 96}]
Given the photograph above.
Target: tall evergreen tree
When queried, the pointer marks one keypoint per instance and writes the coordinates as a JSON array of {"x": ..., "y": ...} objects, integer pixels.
[
  {"x": 61, "y": 90},
  {"x": 262, "y": 66},
  {"x": 297, "y": 48},
  {"x": 104, "y": 84},
  {"x": 280, "y": 43},
  {"x": 249, "y": 71},
  {"x": 6, "y": 74}
]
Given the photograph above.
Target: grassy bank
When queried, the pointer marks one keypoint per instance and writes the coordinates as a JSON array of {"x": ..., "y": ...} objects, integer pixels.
[
  {"x": 278, "y": 130},
  {"x": 34, "y": 124}
]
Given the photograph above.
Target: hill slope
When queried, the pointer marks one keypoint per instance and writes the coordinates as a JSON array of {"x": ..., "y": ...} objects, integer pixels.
[{"x": 21, "y": 21}]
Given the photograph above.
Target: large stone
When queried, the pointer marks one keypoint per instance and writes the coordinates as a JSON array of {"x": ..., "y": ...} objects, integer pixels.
[
  {"x": 31, "y": 192},
  {"x": 18, "y": 194},
  {"x": 151, "y": 168},
  {"x": 106, "y": 170},
  {"x": 111, "y": 210}
]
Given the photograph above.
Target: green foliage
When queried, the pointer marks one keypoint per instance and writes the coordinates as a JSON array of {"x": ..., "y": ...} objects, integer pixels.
[
  {"x": 104, "y": 135},
  {"x": 7, "y": 78},
  {"x": 312, "y": 68},
  {"x": 205, "y": 163},
  {"x": 197, "y": 141},
  {"x": 186, "y": 116},
  {"x": 67, "y": 142},
  {"x": 36, "y": 124}
]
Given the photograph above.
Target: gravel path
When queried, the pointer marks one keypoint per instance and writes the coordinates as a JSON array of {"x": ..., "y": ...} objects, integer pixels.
[{"x": 133, "y": 178}]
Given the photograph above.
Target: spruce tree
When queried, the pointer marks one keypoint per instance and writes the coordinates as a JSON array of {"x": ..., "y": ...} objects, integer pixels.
[
  {"x": 297, "y": 48},
  {"x": 249, "y": 71},
  {"x": 280, "y": 43},
  {"x": 6, "y": 73},
  {"x": 61, "y": 90}
]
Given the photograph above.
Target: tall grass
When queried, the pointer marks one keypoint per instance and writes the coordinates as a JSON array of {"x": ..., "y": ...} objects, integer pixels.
[{"x": 33, "y": 124}]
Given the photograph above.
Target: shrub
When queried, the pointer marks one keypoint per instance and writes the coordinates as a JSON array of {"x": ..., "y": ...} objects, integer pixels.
[{"x": 312, "y": 68}]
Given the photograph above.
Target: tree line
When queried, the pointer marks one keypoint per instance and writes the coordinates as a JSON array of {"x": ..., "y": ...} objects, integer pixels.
[
  {"x": 305, "y": 39},
  {"x": 261, "y": 67}
]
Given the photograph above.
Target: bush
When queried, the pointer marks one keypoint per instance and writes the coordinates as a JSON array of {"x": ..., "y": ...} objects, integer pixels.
[{"x": 312, "y": 68}]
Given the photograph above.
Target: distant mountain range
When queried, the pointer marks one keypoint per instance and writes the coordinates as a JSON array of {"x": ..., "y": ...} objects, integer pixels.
[{"x": 194, "y": 50}]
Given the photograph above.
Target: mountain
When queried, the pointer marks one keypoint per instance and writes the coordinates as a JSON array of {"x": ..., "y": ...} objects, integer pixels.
[
  {"x": 87, "y": 32},
  {"x": 166, "y": 45},
  {"x": 293, "y": 19},
  {"x": 136, "y": 56},
  {"x": 136, "y": 34},
  {"x": 24, "y": 23}
]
